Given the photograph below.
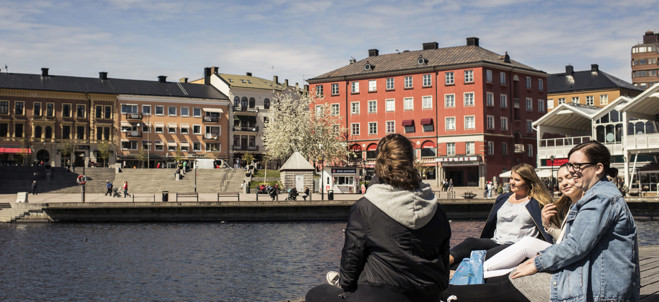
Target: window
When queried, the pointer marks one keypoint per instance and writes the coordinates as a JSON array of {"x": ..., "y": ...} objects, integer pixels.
[
  {"x": 335, "y": 88},
  {"x": 504, "y": 149},
  {"x": 529, "y": 104},
  {"x": 469, "y": 76},
  {"x": 449, "y": 78},
  {"x": 541, "y": 84},
  {"x": 428, "y": 126},
  {"x": 98, "y": 112},
  {"x": 590, "y": 100},
  {"x": 159, "y": 128},
  {"x": 319, "y": 90},
  {"x": 171, "y": 146},
  {"x": 196, "y": 146},
  {"x": 80, "y": 132},
  {"x": 490, "y": 148},
  {"x": 266, "y": 103},
  {"x": 490, "y": 122},
  {"x": 529, "y": 148},
  {"x": 503, "y": 101},
  {"x": 528, "y": 82},
  {"x": 66, "y": 132},
  {"x": 449, "y": 123},
  {"x": 19, "y": 108},
  {"x": 529, "y": 126},
  {"x": 469, "y": 99},
  {"x": 160, "y": 110},
  {"x": 354, "y": 87},
  {"x": 391, "y": 126},
  {"x": 185, "y": 147},
  {"x": 427, "y": 80},
  {"x": 575, "y": 100},
  {"x": 319, "y": 110},
  {"x": 196, "y": 112},
  {"x": 107, "y": 114},
  {"x": 408, "y": 104},
  {"x": 372, "y": 128},
  {"x": 18, "y": 130},
  {"x": 355, "y": 128},
  {"x": 354, "y": 107},
  {"x": 66, "y": 110},
  {"x": 390, "y": 84},
  {"x": 36, "y": 109},
  {"x": 4, "y": 130},
  {"x": 185, "y": 129},
  {"x": 390, "y": 105},
  {"x": 146, "y": 109},
  {"x": 372, "y": 86},
  {"x": 450, "y": 149},
  {"x": 489, "y": 99},
  {"x": 502, "y": 78},
  {"x": 335, "y": 129},
  {"x": 196, "y": 129},
  {"x": 171, "y": 110},
  {"x": 128, "y": 108},
  {"x": 80, "y": 111},
  {"x": 372, "y": 106},
  {"x": 408, "y": 82},
  {"x": 409, "y": 128},
  {"x": 171, "y": 129},
  {"x": 334, "y": 109},
  {"x": 561, "y": 101},
  {"x": 449, "y": 100},
  {"x": 185, "y": 111},
  {"x": 504, "y": 123},
  {"x": 159, "y": 146},
  {"x": 146, "y": 128},
  {"x": 604, "y": 99},
  {"x": 426, "y": 102},
  {"x": 488, "y": 76},
  {"x": 252, "y": 103},
  {"x": 541, "y": 106},
  {"x": 213, "y": 147},
  {"x": 129, "y": 145},
  {"x": 550, "y": 104},
  {"x": 470, "y": 148},
  {"x": 50, "y": 109},
  {"x": 4, "y": 107},
  {"x": 470, "y": 122},
  {"x": 103, "y": 133},
  {"x": 146, "y": 145}
]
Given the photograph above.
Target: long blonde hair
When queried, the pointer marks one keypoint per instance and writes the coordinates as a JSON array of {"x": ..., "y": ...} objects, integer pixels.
[{"x": 535, "y": 188}]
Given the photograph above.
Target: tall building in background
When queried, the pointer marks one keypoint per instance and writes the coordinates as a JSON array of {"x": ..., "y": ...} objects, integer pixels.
[{"x": 645, "y": 68}]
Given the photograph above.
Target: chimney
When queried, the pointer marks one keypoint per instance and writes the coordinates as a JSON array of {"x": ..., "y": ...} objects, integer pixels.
[
  {"x": 569, "y": 70},
  {"x": 506, "y": 58},
  {"x": 183, "y": 80},
  {"x": 44, "y": 72},
  {"x": 215, "y": 69},
  {"x": 275, "y": 79},
  {"x": 594, "y": 68},
  {"x": 373, "y": 52},
  {"x": 430, "y": 45},
  {"x": 473, "y": 41},
  {"x": 249, "y": 74},
  {"x": 103, "y": 75},
  {"x": 162, "y": 79},
  {"x": 353, "y": 61},
  {"x": 286, "y": 82},
  {"x": 207, "y": 75},
  {"x": 650, "y": 37}
]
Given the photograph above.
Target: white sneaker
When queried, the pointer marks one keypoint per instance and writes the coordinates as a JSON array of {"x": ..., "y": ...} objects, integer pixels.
[{"x": 332, "y": 278}]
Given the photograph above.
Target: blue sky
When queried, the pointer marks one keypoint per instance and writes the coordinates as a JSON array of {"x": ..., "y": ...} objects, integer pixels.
[{"x": 300, "y": 39}]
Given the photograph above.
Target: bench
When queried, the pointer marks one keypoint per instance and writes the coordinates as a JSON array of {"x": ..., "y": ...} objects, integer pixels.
[
  {"x": 192, "y": 194},
  {"x": 144, "y": 197},
  {"x": 236, "y": 195}
]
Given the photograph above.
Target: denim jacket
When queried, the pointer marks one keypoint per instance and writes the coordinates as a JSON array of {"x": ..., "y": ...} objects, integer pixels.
[{"x": 598, "y": 257}]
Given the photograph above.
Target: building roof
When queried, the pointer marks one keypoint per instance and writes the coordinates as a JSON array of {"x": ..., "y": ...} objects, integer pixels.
[
  {"x": 442, "y": 58},
  {"x": 645, "y": 105},
  {"x": 568, "y": 117},
  {"x": 586, "y": 80},
  {"x": 296, "y": 162},
  {"x": 107, "y": 86},
  {"x": 248, "y": 81}
]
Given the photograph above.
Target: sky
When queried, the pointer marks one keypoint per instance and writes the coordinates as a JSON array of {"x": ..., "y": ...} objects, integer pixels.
[{"x": 301, "y": 39}]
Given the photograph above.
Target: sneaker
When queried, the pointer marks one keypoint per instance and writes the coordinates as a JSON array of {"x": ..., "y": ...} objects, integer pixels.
[{"x": 332, "y": 278}]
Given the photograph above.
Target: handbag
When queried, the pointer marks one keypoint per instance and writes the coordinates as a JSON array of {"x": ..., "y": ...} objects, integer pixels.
[{"x": 470, "y": 270}]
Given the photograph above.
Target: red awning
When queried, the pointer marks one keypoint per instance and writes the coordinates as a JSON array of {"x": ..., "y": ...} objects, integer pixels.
[
  {"x": 408, "y": 122},
  {"x": 372, "y": 147},
  {"x": 356, "y": 148},
  {"x": 15, "y": 150},
  {"x": 428, "y": 144},
  {"x": 426, "y": 121}
]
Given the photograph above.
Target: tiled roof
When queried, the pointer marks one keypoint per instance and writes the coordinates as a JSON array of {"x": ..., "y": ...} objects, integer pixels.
[
  {"x": 449, "y": 57},
  {"x": 109, "y": 86},
  {"x": 246, "y": 81},
  {"x": 584, "y": 81}
]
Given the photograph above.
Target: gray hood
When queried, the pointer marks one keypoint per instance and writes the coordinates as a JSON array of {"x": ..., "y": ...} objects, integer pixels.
[{"x": 413, "y": 209}]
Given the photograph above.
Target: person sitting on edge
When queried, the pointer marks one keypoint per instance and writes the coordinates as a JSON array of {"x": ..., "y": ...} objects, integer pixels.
[
  {"x": 514, "y": 216},
  {"x": 597, "y": 258},
  {"x": 397, "y": 237}
]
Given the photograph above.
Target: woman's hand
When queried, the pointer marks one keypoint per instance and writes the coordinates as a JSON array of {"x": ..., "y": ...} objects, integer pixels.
[
  {"x": 524, "y": 269},
  {"x": 548, "y": 211}
]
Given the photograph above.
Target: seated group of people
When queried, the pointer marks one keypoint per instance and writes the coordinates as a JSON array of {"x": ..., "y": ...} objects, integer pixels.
[{"x": 581, "y": 247}]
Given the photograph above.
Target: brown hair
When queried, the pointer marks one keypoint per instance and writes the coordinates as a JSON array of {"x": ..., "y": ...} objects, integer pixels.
[
  {"x": 596, "y": 153},
  {"x": 536, "y": 189},
  {"x": 394, "y": 164},
  {"x": 562, "y": 205}
]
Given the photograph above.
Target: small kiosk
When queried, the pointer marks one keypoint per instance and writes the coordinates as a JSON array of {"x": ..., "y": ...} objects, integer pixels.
[{"x": 341, "y": 179}]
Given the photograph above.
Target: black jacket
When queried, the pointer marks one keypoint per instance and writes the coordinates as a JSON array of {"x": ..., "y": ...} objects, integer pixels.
[
  {"x": 534, "y": 209},
  {"x": 381, "y": 251}
]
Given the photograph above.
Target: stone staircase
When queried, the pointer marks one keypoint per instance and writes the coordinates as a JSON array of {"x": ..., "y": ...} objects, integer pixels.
[
  {"x": 23, "y": 213},
  {"x": 158, "y": 180},
  {"x": 19, "y": 179}
]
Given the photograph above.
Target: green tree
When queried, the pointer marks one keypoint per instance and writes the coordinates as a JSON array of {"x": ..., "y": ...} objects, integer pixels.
[
  {"x": 104, "y": 151},
  {"x": 65, "y": 149}
]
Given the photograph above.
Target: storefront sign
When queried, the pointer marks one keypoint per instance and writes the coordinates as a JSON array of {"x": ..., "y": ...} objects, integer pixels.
[
  {"x": 82, "y": 147},
  {"x": 556, "y": 162},
  {"x": 345, "y": 171}
]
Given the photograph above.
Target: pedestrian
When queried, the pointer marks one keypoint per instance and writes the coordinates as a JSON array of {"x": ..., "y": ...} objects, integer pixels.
[
  {"x": 158, "y": 166},
  {"x": 450, "y": 184},
  {"x": 490, "y": 189},
  {"x": 34, "y": 187},
  {"x": 306, "y": 193},
  {"x": 125, "y": 188},
  {"x": 108, "y": 187},
  {"x": 185, "y": 166}
]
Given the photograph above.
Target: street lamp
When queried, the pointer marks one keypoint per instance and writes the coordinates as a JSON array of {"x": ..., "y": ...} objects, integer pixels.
[
  {"x": 320, "y": 161},
  {"x": 552, "y": 175},
  {"x": 148, "y": 139}
]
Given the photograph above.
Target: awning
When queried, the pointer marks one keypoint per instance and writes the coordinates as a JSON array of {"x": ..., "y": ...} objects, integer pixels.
[
  {"x": 126, "y": 124},
  {"x": 184, "y": 144},
  {"x": 218, "y": 110},
  {"x": 160, "y": 125},
  {"x": 408, "y": 122},
  {"x": 171, "y": 143},
  {"x": 159, "y": 143},
  {"x": 372, "y": 147},
  {"x": 356, "y": 148},
  {"x": 426, "y": 121},
  {"x": 172, "y": 125},
  {"x": 428, "y": 144},
  {"x": 15, "y": 150},
  {"x": 185, "y": 126}
]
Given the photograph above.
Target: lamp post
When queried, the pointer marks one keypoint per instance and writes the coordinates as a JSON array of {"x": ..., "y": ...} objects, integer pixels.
[
  {"x": 195, "y": 176},
  {"x": 552, "y": 175},
  {"x": 148, "y": 139},
  {"x": 320, "y": 161}
]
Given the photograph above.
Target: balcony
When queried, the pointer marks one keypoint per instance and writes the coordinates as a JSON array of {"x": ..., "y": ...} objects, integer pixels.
[
  {"x": 246, "y": 148},
  {"x": 245, "y": 111},
  {"x": 134, "y": 116},
  {"x": 211, "y": 119},
  {"x": 644, "y": 142},
  {"x": 246, "y": 129},
  {"x": 132, "y": 133},
  {"x": 211, "y": 136}
]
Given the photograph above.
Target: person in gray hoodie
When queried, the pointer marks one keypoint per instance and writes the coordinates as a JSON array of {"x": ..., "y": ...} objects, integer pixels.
[{"x": 397, "y": 238}]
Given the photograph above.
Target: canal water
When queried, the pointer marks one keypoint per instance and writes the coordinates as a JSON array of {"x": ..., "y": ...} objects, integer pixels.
[{"x": 180, "y": 261}]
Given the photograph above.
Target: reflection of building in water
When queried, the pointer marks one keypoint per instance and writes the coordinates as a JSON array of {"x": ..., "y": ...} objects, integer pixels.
[{"x": 628, "y": 127}]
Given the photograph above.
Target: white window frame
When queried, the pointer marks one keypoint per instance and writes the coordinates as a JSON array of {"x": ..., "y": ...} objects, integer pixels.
[
  {"x": 529, "y": 104},
  {"x": 372, "y": 106},
  {"x": 354, "y": 107},
  {"x": 489, "y": 99},
  {"x": 490, "y": 147},
  {"x": 187, "y": 114},
  {"x": 604, "y": 99},
  {"x": 469, "y": 99},
  {"x": 541, "y": 85},
  {"x": 335, "y": 109},
  {"x": 335, "y": 88},
  {"x": 550, "y": 104},
  {"x": 354, "y": 129},
  {"x": 390, "y": 126},
  {"x": 502, "y": 78},
  {"x": 529, "y": 148},
  {"x": 372, "y": 126},
  {"x": 504, "y": 123},
  {"x": 354, "y": 87},
  {"x": 426, "y": 102},
  {"x": 194, "y": 111},
  {"x": 488, "y": 75},
  {"x": 450, "y": 149},
  {"x": 196, "y": 132},
  {"x": 195, "y": 148},
  {"x": 169, "y": 111},
  {"x": 529, "y": 126},
  {"x": 490, "y": 122},
  {"x": 503, "y": 101},
  {"x": 169, "y": 129},
  {"x": 473, "y": 121},
  {"x": 162, "y": 107},
  {"x": 408, "y": 104},
  {"x": 470, "y": 148},
  {"x": 449, "y": 123},
  {"x": 449, "y": 78},
  {"x": 590, "y": 100},
  {"x": 390, "y": 105},
  {"x": 469, "y": 76},
  {"x": 390, "y": 84},
  {"x": 409, "y": 82},
  {"x": 561, "y": 101},
  {"x": 144, "y": 112},
  {"x": 449, "y": 100},
  {"x": 541, "y": 105},
  {"x": 372, "y": 86},
  {"x": 529, "y": 83},
  {"x": 427, "y": 80},
  {"x": 575, "y": 100}
]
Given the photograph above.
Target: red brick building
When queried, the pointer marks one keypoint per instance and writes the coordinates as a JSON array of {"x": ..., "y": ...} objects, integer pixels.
[{"x": 467, "y": 110}]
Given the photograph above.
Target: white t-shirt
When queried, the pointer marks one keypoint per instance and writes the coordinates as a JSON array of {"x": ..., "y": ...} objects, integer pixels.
[{"x": 514, "y": 222}]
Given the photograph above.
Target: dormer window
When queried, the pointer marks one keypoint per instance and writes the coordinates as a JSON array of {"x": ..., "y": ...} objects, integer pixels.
[
  {"x": 368, "y": 66},
  {"x": 421, "y": 60}
]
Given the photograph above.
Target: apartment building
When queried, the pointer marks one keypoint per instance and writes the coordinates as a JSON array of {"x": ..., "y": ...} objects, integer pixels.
[{"x": 645, "y": 68}]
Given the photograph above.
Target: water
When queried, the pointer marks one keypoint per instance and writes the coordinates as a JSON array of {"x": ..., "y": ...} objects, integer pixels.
[{"x": 180, "y": 261}]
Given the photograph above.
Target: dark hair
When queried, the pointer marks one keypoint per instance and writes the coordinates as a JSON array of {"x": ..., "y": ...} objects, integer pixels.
[
  {"x": 596, "y": 153},
  {"x": 394, "y": 164},
  {"x": 562, "y": 205}
]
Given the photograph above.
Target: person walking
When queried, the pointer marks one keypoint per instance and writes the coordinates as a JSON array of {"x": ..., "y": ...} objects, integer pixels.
[
  {"x": 34, "y": 187},
  {"x": 108, "y": 187},
  {"x": 125, "y": 188}
]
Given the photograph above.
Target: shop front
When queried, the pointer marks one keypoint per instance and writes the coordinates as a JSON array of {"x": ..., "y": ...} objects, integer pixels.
[
  {"x": 340, "y": 179},
  {"x": 464, "y": 171}
]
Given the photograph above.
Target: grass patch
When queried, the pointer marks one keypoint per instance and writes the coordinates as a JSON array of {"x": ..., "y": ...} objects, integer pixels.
[{"x": 271, "y": 173}]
